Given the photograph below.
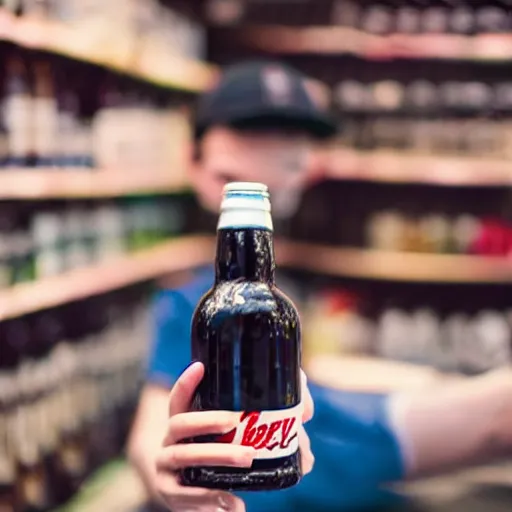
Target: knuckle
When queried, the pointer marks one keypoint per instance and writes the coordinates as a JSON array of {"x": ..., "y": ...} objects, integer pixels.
[{"x": 167, "y": 459}]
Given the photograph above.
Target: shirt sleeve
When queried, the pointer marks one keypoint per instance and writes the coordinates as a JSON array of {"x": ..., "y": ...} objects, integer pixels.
[{"x": 170, "y": 347}]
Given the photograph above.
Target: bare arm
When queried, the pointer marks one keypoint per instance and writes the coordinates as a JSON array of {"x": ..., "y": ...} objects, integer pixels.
[
  {"x": 459, "y": 424},
  {"x": 443, "y": 421},
  {"x": 148, "y": 431}
]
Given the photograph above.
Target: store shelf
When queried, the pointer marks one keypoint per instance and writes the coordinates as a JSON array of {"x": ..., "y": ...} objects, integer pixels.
[
  {"x": 396, "y": 167},
  {"x": 84, "y": 183},
  {"x": 105, "y": 47},
  {"x": 189, "y": 252},
  {"x": 394, "y": 266},
  {"x": 339, "y": 40},
  {"x": 174, "y": 256}
]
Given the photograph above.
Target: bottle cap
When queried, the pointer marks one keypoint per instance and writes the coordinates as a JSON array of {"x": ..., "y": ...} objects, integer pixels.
[
  {"x": 240, "y": 186},
  {"x": 245, "y": 204}
]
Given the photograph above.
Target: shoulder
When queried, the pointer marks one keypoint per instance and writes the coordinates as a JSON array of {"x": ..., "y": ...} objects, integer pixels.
[{"x": 182, "y": 291}]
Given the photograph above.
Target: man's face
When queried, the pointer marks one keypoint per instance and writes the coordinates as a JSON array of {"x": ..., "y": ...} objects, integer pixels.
[{"x": 279, "y": 161}]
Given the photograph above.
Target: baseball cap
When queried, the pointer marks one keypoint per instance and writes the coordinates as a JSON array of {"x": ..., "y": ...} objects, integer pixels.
[{"x": 262, "y": 94}]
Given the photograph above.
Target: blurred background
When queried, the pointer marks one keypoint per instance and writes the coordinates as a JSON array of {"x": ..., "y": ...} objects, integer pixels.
[{"x": 401, "y": 248}]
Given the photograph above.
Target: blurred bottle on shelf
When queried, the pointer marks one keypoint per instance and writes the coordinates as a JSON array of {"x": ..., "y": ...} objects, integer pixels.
[
  {"x": 430, "y": 233},
  {"x": 44, "y": 115},
  {"x": 335, "y": 323},
  {"x": 386, "y": 231},
  {"x": 69, "y": 384},
  {"x": 29, "y": 428},
  {"x": 9, "y": 394},
  {"x": 44, "y": 123},
  {"x": 134, "y": 132},
  {"x": 457, "y": 118},
  {"x": 23, "y": 268},
  {"x": 17, "y": 108},
  {"x": 467, "y": 18},
  {"x": 47, "y": 233},
  {"x": 46, "y": 239},
  {"x": 408, "y": 19},
  {"x": 487, "y": 345}
]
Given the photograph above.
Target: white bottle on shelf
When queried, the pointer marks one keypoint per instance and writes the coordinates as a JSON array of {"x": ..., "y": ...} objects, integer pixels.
[
  {"x": 17, "y": 107},
  {"x": 488, "y": 344}
]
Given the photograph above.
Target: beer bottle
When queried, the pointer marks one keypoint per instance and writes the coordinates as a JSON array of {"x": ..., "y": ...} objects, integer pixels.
[{"x": 247, "y": 334}]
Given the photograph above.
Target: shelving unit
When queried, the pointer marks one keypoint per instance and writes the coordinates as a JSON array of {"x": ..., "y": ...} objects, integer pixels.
[
  {"x": 58, "y": 38},
  {"x": 189, "y": 252},
  {"x": 174, "y": 256},
  {"x": 394, "y": 266},
  {"x": 341, "y": 40},
  {"x": 395, "y": 167},
  {"x": 170, "y": 71},
  {"x": 87, "y": 183}
]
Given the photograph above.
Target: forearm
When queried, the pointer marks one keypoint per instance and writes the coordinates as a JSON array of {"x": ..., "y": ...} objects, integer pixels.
[
  {"x": 460, "y": 423},
  {"x": 144, "y": 463},
  {"x": 147, "y": 436}
]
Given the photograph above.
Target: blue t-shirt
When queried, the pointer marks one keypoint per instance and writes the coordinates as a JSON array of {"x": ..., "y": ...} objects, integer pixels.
[{"x": 356, "y": 453}]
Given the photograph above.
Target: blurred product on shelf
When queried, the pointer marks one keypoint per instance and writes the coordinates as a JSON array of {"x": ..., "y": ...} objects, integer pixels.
[
  {"x": 437, "y": 233},
  {"x": 333, "y": 324},
  {"x": 129, "y": 128},
  {"x": 451, "y": 118},
  {"x": 336, "y": 322},
  {"x": 69, "y": 381},
  {"x": 152, "y": 26},
  {"x": 421, "y": 96},
  {"x": 135, "y": 132},
  {"x": 376, "y": 17},
  {"x": 46, "y": 239},
  {"x": 384, "y": 18}
]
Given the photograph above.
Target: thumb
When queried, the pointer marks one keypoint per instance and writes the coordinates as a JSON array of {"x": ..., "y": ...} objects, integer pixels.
[
  {"x": 307, "y": 400},
  {"x": 184, "y": 389}
]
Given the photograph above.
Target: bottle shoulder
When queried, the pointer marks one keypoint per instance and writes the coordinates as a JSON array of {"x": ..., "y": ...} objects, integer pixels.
[{"x": 246, "y": 297}]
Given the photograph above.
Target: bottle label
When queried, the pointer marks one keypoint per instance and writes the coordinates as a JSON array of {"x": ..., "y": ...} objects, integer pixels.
[{"x": 273, "y": 434}]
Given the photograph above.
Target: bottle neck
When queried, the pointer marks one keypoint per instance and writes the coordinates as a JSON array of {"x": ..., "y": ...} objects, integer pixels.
[{"x": 245, "y": 253}]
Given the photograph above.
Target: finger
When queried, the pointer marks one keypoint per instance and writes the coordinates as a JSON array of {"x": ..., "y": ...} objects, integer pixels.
[
  {"x": 229, "y": 502},
  {"x": 307, "y": 457},
  {"x": 178, "y": 497},
  {"x": 180, "y": 456},
  {"x": 183, "y": 390},
  {"x": 307, "y": 400},
  {"x": 191, "y": 424}
]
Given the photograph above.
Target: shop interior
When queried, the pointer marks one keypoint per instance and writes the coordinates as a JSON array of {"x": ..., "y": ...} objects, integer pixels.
[{"x": 401, "y": 247}]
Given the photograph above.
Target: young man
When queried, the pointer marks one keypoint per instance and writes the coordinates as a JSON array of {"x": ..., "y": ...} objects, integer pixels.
[{"x": 257, "y": 125}]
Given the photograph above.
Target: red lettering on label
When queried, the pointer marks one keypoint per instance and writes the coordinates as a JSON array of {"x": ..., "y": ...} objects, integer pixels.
[
  {"x": 228, "y": 437},
  {"x": 253, "y": 435},
  {"x": 275, "y": 434},
  {"x": 286, "y": 430},
  {"x": 268, "y": 441}
]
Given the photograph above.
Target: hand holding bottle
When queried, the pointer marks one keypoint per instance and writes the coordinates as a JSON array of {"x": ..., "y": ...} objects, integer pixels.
[{"x": 176, "y": 455}]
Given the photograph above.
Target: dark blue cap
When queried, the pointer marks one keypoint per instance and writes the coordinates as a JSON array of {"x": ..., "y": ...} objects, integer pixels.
[{"x": 262, "y": 94}]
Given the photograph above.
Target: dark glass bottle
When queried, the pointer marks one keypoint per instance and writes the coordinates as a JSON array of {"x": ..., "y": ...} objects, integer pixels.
[
  {"x": 32, "y": 477},
  {"x": 9, "y": 397},
  {"x": 247, "y": 334},
  {"x": 73, "y": 461}
]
